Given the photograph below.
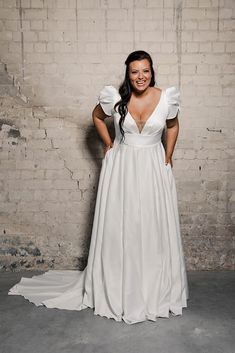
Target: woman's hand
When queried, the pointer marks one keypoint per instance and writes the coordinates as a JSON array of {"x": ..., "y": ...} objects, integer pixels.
[
  {"x": 107, "y": 147},
  {"x": 168, "y": 160}
]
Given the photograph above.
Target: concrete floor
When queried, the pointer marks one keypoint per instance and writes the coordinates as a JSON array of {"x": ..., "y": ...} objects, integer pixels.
[{"x": 207, "y": 325}]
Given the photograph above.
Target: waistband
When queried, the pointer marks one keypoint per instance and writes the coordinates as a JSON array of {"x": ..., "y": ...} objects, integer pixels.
[{"x": 141, "y": 140}]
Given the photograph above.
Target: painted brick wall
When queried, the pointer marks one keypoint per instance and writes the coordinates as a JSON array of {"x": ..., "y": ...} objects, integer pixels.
[{"x": 58, "y": 54}]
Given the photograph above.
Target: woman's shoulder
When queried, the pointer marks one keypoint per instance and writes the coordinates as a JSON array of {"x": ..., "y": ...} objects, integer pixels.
[
  {"x": 173, "y": 101},
  {"x": 156, "y": 92},
  {"x": 173, "y": 94},
  {"x": 108, "y": 97},
  {"x": 109, "y": 93},
  {"x": 109, "y": 90}
]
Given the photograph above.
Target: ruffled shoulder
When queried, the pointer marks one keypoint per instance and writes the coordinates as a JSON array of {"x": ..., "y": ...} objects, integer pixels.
[
  {"x": 173, "y": 101},
  {"x": 108, "y": 97}
]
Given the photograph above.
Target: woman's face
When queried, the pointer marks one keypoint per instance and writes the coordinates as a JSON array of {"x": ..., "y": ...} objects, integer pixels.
[{"x": 140, "y": 74}]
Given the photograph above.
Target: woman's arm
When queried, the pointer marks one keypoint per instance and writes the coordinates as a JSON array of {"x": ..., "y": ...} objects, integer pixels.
[
  {"x": 98, "y": 117},
  {"x": 171, "y": 137}
]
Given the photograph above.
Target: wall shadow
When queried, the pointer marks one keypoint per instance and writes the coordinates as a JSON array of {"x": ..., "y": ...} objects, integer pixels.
[{"x": 94, "y": 145}]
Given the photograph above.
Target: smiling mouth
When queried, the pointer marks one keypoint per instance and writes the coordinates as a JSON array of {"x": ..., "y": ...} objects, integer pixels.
[{"x": 140, "y": 83}]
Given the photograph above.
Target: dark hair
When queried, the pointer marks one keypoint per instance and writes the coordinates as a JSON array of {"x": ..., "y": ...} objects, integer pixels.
[{"x": 126, "y": 89}]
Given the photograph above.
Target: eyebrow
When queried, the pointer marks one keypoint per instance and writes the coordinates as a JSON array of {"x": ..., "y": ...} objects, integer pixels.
[{"x": 146, "y": 68}]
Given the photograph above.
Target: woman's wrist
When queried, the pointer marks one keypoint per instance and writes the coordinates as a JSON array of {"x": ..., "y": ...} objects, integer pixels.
[
  {"x": 109, "y": 144},
  {"x": 168, "y": 156}
]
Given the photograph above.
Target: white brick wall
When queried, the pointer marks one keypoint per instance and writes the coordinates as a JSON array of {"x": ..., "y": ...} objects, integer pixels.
[{"x": 60, "y": 53}]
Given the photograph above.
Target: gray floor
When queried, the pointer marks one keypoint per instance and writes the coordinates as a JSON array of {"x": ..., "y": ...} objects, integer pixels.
[{"x": 207, "y": 325}]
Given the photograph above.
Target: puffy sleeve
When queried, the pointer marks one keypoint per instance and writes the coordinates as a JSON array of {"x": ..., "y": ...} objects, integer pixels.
[
  {"x": 107, "y": 99},
  {"x": 173, "y": 100}
]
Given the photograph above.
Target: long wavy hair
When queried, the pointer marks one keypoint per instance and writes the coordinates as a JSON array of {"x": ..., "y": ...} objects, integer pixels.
[{"x": 126, "y": 89}]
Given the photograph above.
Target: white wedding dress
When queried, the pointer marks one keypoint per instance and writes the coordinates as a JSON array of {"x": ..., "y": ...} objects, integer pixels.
[{"x": 136, "y": 269}]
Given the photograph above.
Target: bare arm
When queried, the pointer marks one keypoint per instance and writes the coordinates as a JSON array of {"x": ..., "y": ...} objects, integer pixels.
[
  {"x": 171, "y": 138},
  {"x": 98, "y": 117}
]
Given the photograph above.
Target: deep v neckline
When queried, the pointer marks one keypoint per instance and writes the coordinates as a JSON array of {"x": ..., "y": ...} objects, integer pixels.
[{"x": 154, "y": 110}]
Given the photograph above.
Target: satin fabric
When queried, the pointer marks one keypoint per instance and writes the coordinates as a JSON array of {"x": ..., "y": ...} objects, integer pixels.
[{"x": 136, "y": 268}]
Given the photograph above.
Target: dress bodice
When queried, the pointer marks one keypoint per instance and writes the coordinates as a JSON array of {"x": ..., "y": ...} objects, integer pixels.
[{"x": 167, "y": 108}]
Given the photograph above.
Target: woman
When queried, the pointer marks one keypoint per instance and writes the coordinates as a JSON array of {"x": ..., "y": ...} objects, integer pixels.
[{"x": 136, "y": 269}]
